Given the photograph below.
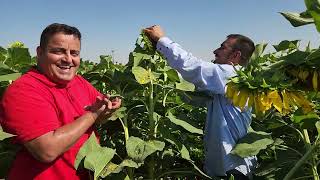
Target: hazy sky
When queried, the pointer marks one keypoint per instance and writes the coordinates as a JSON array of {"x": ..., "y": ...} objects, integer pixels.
[{"x": 199, "y": 26}]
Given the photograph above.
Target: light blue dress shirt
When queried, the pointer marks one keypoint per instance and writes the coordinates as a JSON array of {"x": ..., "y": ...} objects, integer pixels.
[{"x": 225, "y": 123}]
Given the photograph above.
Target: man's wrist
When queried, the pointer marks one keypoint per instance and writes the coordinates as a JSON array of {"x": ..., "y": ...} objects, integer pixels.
[{"x": 93, "y": 116}]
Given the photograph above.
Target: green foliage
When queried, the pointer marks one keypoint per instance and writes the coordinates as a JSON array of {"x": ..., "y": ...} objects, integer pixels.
[
  {"x": 298, "y": 19},
  {"x": 157, "y": 134},
  {"x": 149, "y": 89},
  {"x": 142, "y": 75},
  {"x": 311, "y": 15},
  {"x": 4, "y": 135},
  {"x": 138, "y": 149},
  {"x": 184, "y": 124},
  {"x": 7, "y": 153},
  {"x": 252, "y": 143},
  {"x": 94, "y": 156},
  {"x": 13, "y": 62}
]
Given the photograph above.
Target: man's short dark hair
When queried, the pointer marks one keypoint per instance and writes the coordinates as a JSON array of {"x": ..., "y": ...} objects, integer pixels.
[
  {"x": 55, "y": 28},
  {"x": 245, "y": 45}
]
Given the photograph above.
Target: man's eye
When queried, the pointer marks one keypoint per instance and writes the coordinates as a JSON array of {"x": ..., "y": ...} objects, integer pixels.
[
  {"x": 75, "y": 53},
  {"x": 56, "y": 51}
]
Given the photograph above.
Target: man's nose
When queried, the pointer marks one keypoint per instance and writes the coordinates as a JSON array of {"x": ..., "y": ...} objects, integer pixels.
[
  {"x": 215, "y": 51},
  {"x": 67, "y": 57}
]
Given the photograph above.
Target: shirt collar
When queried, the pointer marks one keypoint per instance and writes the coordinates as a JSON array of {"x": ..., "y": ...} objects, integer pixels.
[{"x": 44, "y": 79}]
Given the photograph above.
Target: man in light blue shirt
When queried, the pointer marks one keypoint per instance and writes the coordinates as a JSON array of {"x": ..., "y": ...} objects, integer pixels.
[{"x": 225, "y": 123}]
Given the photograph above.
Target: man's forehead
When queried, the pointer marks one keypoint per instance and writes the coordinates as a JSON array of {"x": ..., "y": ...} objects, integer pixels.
[
  {"x": 229, "y": 41},
  {"x": 61, "y": 39},
  {"x": 58, "y": 35}
]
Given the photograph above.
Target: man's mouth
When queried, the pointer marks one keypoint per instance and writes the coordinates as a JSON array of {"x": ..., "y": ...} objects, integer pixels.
[{"x": 65, "y": 67}]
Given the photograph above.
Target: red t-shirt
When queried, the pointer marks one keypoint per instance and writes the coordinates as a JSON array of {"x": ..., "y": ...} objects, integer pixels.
[{"x": 33, "y": 106}]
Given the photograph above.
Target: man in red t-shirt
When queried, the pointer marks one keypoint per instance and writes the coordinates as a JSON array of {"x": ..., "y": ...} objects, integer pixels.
[{"x": 52, "y": 110}]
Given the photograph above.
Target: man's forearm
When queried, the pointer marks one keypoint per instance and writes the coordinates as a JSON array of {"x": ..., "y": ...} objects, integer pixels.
[{"x": 49, "y": 146}]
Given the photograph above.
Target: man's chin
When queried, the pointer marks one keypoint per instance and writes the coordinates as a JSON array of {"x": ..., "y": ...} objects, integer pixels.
[{"x": 64, "y": 79}]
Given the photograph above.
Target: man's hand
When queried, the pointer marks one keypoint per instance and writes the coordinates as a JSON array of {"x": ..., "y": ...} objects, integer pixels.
[
  {"x": 103, "y": 107},
  {"x": 154, "y": 32}
]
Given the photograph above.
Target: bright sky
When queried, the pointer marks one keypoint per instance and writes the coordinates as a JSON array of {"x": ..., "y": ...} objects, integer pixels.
[{"x": 113, "y": 26}]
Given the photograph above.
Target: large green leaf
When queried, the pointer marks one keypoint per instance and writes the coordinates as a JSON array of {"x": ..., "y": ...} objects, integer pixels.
[
  {"x": 18, "y": 58},
  {"x": 173, "y": 75},
  {"x": 142, "y": 75},
  {"x": 305, "y": 121},
  {"x": 95, "y": 157},
  {"x": 138, "y": 57},
  {"x": 284, "y": 45},
  {"x": 299, "y": 118},
  {"x": 184, "y": 124},
  {"x": 86, "y": 148},
  {"x": 297, "y": 19},
  {"x": 185, "y": 85},
  {"x": 8, "y": 77},
  {"x": 139, "y": 149},
  {"x": 296, "y": 58},
  {"x": 252, "y": 143}
]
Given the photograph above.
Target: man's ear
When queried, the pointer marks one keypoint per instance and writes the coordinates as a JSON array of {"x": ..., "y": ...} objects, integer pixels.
[
  {"x": 39, "y": 52},
  {"x": 237, "y": 56}
]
